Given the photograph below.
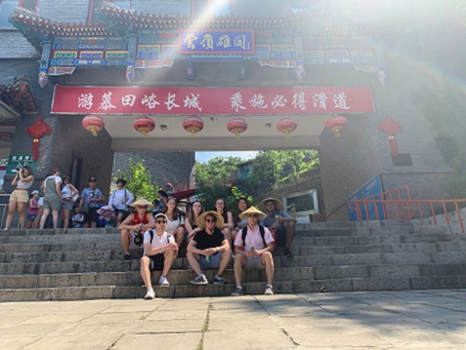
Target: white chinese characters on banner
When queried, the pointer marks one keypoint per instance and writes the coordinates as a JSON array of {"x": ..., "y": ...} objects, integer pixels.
[
  {"x": 106, "y": 101},
  {"x": 279, "y": 101},
  {"x": 340, "y": 101},
  {"x": 320, "y": 100},
  {"x": 237, "y": 102},
  {"x": 128, "y": 100},
  {"x": 257, "y": 101},
  {"x": 85, "y": 101},
  {"x": 192, "y": 102},
  {"x": 170, "y": 102},
  {"x": 150, "y": 101},
  {"x": 299, "y": 101}
]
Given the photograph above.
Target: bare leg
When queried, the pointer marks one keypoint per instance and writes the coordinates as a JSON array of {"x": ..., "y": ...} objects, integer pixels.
[
  {"x": 93, "y": 224},
  {"x": 45, "y": 214},
  {"x": 36, "y": 222},
  {"x": 267, "y": 261},
  {"x": 240, "y": 261},
  {"x": 125, "y": 236},
  {"x": 225, "y": 260},
  {"x": 22, "y": 214},
  {"x": 170, "y": 256},
  {"x": 227, "y": 233},
  {"x": 119, "y": 219},
  {"x": 193, "y": 260},
  {"x": 145, "y": 272},
  {"x": 55, "y": 218},
  {"x": 86, "y": 224},
  {"x": 65, "y": 217},
  {"x": 11, "y": 213},
  {"x": 289, "y": 234},
  {"x": 179, "y": 236}
]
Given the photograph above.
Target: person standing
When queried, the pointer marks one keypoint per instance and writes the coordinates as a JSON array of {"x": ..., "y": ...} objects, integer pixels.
[
  {"x": 33, "y": 208},
  {"x": 279, "y": 220},
  {"x": 91, "y": 197},
  {"x": 120, "y": 200},
  {"x": 19, "y": 198},
  {"x": 67, "y": 193},
  {"x": 52, "y": 198},
  {"x": 160, "y": 251}
]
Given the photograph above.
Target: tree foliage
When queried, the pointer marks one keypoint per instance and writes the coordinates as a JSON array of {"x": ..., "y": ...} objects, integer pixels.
[{"x": 139, "y": 180}]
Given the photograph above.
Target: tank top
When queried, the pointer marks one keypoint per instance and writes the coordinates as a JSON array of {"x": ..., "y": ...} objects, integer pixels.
[
  {"x": 66, "y": 191},
  {"x": 137, "y": 221},
  {"x": 25, "y": 185}
]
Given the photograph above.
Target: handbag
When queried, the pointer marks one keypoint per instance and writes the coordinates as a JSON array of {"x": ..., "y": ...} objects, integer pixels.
[{"x": 84, "y": 209}]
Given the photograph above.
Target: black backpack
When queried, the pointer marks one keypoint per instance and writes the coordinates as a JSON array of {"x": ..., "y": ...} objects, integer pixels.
[
  {"x": 245, "y": 232},
  {"x": 151, "y": 232}
]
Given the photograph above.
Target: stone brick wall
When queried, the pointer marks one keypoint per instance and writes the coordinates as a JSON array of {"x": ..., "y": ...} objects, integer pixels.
[
  {"x": 14, "y": 45},
  {"x": 64, "y": 10}
]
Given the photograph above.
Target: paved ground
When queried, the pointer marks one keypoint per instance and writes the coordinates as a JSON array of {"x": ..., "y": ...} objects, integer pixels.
[{"x": 363, "y": 320}]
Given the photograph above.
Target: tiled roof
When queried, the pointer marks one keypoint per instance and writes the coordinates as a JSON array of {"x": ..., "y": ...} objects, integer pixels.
[{"x": 19, "y": 95}]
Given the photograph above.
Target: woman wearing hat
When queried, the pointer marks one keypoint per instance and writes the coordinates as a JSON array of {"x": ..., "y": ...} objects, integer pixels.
[
  {"x": 279, "y": 220},
  {"x": 142, "y": 220},
  {"x": 120, "y": 200},
  {"x": 209, "y": 249}
]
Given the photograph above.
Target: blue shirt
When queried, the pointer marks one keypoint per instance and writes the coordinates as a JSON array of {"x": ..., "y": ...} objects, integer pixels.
[
  {"x": 270, "y": 219},
  {"x": 87, "y": 194}
]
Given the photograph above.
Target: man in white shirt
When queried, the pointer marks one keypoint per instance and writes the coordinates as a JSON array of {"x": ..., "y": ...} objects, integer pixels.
[
  {"x": 253, "y": 249},
  {"x": 160, "y": 251}
]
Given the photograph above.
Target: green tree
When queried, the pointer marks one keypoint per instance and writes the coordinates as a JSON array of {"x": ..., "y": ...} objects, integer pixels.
[{"x": 139, "y": 180}]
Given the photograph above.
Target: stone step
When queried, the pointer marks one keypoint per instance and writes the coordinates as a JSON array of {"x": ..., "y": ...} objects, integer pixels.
[
  {"x": 366, "y": 231},
  {"x": 334, "y": 285}
]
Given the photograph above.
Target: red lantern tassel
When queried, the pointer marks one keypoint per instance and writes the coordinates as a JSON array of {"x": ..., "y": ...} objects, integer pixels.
[
  {"x": 35, "y": 149},
  {"x": 393, "y": 147}
]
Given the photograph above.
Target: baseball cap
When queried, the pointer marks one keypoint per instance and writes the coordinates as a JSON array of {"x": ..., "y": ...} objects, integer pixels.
[
  {"x": 92, "y": 178},
  {"x": 160, "y": 215}
]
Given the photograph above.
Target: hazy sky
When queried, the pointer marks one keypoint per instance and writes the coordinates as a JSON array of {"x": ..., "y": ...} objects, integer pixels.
[{"x": 203, "y": 157}]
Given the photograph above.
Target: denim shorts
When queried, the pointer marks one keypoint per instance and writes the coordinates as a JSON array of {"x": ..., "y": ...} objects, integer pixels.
[{"x": 213, "y": 264}]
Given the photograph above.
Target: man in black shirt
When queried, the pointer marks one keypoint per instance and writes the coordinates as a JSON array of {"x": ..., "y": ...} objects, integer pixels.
[{"x": 209, "y": 249}]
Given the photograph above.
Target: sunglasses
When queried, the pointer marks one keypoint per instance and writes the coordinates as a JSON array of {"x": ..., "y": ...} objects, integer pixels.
[
  {"x": 142, "y": 207},
  {"x": 211, "y": 220},
  {"x": 253, "y": 216},
  {"x": 161, "y": 221}
]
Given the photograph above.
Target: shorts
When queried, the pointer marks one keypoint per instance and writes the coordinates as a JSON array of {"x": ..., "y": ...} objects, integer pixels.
[
  {"x": 91, "y": 216},
  {"x": 213, "y": 264},
  {"x": 121, "y": 212},
  {"x": 281, "y": 236},
  {"x": 31, "y": 217},
  {"x": 157, "y": 262},
  {"x": 21, "y": 196},
  {"x": 254, "y": 263},
  {"x": 52, "y": 202},
  {"x": 67, "y": 205},
  {"x": 40, "y": 203}
]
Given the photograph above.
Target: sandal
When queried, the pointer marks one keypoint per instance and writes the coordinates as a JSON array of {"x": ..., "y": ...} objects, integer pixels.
[{"x": 127, "y": 256}]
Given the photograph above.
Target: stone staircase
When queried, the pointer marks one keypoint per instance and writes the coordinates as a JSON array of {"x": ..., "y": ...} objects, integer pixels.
[{"x": 79, "y": 264}]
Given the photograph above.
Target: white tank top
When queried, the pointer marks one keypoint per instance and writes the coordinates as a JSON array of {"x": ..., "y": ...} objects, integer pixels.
[{"x": 25, "y": 185}]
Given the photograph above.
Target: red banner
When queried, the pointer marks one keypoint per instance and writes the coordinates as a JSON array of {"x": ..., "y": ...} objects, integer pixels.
[{"x": 216, "y": 101}]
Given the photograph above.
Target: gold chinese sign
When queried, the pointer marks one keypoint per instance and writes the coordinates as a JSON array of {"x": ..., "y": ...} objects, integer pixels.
[{"x": 218, "y": 42}]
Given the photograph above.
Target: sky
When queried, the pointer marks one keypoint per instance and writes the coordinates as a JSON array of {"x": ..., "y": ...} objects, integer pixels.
[{"x": 204, "y": 157}]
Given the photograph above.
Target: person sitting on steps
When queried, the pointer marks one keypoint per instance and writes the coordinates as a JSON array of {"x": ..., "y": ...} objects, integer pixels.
[
  {"x": 160, "y": 251},
  {"x": 279, "y": 220},
  {"x": 253, "y": 250},
  {"x": 209, "y": 249},
  {"x": 135, "y": 224}
]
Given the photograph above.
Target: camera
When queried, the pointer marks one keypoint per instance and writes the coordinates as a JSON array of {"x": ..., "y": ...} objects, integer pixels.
[{"x": 139, "y": 239}]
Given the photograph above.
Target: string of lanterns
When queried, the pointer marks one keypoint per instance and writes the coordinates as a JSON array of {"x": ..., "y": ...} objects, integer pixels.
[{"x": 194, "y": 125}]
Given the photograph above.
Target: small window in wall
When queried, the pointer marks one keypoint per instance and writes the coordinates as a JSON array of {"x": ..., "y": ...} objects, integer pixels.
[
  {"x": 210, "y": 7},
  {"x": 6, "y": 8},
  {"x": 125, "y": 4}
]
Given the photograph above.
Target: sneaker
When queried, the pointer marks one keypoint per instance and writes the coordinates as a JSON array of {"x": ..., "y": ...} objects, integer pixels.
[
  {"x": 219, "y": 280},
  {"x": 201, "y": 279},
  {"x": 163, "y": 282},
  {"x": 5, "y": 229},
  {"x": 237, "y": 292},
  {"x": 127, "y": 256},
  {"x": 268, "y": 290},
  {"x": 150, "y": 294},
  {"x": 288, "y": 253}
]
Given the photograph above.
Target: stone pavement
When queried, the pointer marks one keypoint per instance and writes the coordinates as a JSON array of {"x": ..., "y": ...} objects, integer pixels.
[{"x": 430, "y": 319}]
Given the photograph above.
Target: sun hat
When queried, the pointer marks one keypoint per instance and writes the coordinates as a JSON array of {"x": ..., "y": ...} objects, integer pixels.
[
  {"x": 252, "y": 210},
  {"x": 201, "y": 219},
  {"x": 278, "y": 203},
  {"x": 141, "y": 201}
]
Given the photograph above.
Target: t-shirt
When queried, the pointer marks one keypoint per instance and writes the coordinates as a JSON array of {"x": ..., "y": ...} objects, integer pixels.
[
  {"x": 87, "y": 194},
  {"x": 253, "y": 238},
  {"x": 173, "y": 225},
  {"x": 157, "y": 241},
  {"x": 270, "y": 219},
  {"x": 204, "y": 240},
  {"x": 121, "y": 195},
  {"x": 51, "y": 180}
]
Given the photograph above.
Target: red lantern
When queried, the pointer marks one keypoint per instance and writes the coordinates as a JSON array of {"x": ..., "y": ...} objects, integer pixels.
[
  {"x": 93, "y": 123},
  {"x": 193, "y": 125},
  {"x": 237, "y": 126},
  {"x": 391, "y": 128},
  {"x": 336, "y": 123},
  {"x": 144, "y": 125},
  {"x": 287, "y": 126}
]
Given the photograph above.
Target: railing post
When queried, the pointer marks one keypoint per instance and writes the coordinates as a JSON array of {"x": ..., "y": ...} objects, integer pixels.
[{"x": 458, "y": 212}]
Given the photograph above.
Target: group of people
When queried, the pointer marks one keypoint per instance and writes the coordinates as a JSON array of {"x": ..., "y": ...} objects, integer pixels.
[{"x": 212, "y": 237}]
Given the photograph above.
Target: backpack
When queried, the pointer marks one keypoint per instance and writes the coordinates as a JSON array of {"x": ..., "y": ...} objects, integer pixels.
[
  {"x": 261, "y": 230},
  {"x": 151, "y": 233}
]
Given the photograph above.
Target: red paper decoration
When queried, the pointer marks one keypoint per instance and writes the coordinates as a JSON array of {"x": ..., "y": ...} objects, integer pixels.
[
  {"x": 94, "y": 124},
  {"x": 391, "y": 128},
  {"x": 237, "y": 126},
  {"x": 193, "y": 125},
  {"x": 336, "y": 123},
  {"x": 37, "y": 130},
  {"x": 287, "y": 126},
  {"x": 144, "y": 125}
]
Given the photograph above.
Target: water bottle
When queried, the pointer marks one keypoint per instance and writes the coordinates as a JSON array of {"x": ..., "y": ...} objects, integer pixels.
[
  {"x": 250, "y": 249},
  {"x": 276, "y": 218},
  {"x": 207, "y": 258}
]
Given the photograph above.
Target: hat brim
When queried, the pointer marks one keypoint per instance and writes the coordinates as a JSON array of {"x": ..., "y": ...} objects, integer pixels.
[
  {"x": 201, "y": 219},
  {"x": 278, "y": 203},
  {"x": 252, "y": 210},
  {"x": 141, "y": 201}
]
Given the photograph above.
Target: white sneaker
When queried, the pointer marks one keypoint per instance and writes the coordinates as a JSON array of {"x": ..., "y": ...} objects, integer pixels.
[
  {"x": 163, "y": 282},
  {"x": 268, "y": 290},
  {"x": 5, "y": 229},
  {"x": 150, "y": 294}
]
